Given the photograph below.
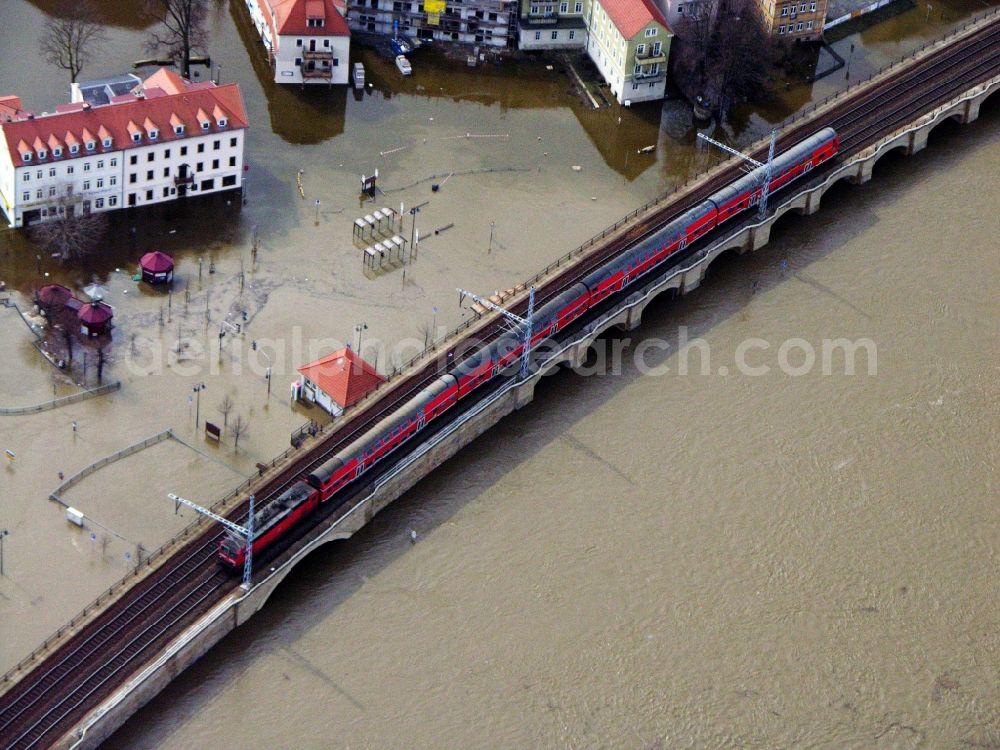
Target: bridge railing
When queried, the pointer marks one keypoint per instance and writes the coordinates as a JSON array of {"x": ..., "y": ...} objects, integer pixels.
[{"x": 199, "y": 525}]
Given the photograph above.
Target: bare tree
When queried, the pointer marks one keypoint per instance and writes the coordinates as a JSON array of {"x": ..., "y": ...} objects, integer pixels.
[
  {"x": 240, "y": 428},
  {"x": 184, "y": 29},
  {"x": 224, "y": 407},
  {"x": 76, "y": 231},
  {"x": 72, "y": 36},
  {"x": 723, "y": 54},
  {"x": 69, "y": 339}
]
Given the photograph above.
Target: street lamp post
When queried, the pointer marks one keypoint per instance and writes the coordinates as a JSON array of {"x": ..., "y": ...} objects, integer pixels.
[
  {"x": 267, "y": 374},
  {"x": 3, "y": 533},
  {"x": 359, "y": 329},
  {"x": 492, "y": 227},
  {"x": 434, "y": 319},
  {"x": 197, "y": 409}
]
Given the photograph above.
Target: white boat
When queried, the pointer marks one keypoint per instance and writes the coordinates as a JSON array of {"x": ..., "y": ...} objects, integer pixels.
[
  {"x": 359, "y": 75},
  {"x": 404, "y": 65}
]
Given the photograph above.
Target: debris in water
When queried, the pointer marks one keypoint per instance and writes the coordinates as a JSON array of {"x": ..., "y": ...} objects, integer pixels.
[
  {"x": 577, "y": 168},
  {"x": 413, "y": 536}
]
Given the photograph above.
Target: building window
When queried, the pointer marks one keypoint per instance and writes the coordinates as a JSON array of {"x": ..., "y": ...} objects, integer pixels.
[
  {"x": 100, "y": 182},
  {"x": 86, "y": 166},
  {"x": 57, "y": 151},
  {"x": 216, "y": 145},
  {"x": 208, "y": 184},
  {"x": 133, "y": 159},
  {"x": 99, "y": 203},
  {"x": 184, "y": 150},
  {"x": 26, "y": 156},
  {"x": 86, "y": 184},
  {"x": 52, "y": 191},
  {"x": 781, "y": 29},
  {"x": 38, "y": 194},
  {"x": 656, "y": 49},
  {"x": 229, "y": 181},
  {"x": 42, "y": 153},
  {"x": 135, "y": 138},
  {"x": 538, "y": 35},
  {"x": 27, "y": 177},
  {"x": 166, "y": 171},
  {"x": 564, "y": 7},
  {"x": 336, "y": 62},
  {"x": 149, "y": 174},
  {"x": 150, "y": 156},
  {"x": 201, "y": 148},
  {"x": 166, "y": 192},
  {"x": 555, "y": 35},
  {"x": 635, "y": 86},
  {"x": 114, "y": 163},
  {"x": 534, "y": 10},
  {"x": 75, "y": 148},
  {"x": 149, "y": 195},
  {"x": 640, "y": 50},
  {"x": 113, "y": 200},
  {"x": 52, "y": 172},
  {"x": 298, "y": 42},
  {"x": 572, "y": 33},
  {"x": 69, "y": 169},
  {"x": 179, "y": 129},
  {"x": 26, "y": 195},
  {"x": 132, "y": 178},
  {"x": 153, "y": 134},
  {"x": 799, "y": 27},
  {"x": 100, "y": 163},
  {"x": 326, "y": 42},
  {"x": 107, "y": 143},
  {"x": 232, "y": 142},
  {"x": 215, "y": 163},
  {"x": 200, "y": 167},
  {"x": 578, "y": 8},
  {"x": 651, "y": 32},
  {"x": 112, "y": 180},
  {"x": 784, "y": 10},
  {"x": 166, "y": 154},
  {"x": 232, "y": 161},
  {"x": 809, "y": 24}
]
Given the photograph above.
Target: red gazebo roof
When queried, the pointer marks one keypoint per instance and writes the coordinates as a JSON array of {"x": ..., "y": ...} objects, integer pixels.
[
  {"x": 54, "y": 294},
  {"x": 156, "y": 262},
  {"x": 95, "y": 313},
  {"x": 343, "y": 376}
]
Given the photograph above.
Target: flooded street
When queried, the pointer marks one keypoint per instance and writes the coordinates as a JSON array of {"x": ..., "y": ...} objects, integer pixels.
[
  {"x": 635, "y": 559},
  {"x": 686, "y": 561}
]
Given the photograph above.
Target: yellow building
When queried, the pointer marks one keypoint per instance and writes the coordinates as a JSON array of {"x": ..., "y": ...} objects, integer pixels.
[{"x": 800, "y": 21}]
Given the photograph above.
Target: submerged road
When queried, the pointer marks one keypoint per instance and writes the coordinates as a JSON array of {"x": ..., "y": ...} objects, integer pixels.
[{"x": 46, "y": 699}]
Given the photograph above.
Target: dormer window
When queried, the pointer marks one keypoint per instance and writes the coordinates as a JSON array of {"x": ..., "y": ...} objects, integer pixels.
[
  {"x": 42, "y": 153},
  {"x": 91, "y": 145},
  {"x": 205, "y": 124},
  {"x": 179, "y": 129},
  {"x": 136, "y": 137},
  {"x": 26, "y": 156},
  {"x": 107, "y": 143},
  {"x": 75, "y": 148},
  {"x": 153, "y": 133},
  {"x": 222, "y": 122},
  {"x": 57, "y": 151}
]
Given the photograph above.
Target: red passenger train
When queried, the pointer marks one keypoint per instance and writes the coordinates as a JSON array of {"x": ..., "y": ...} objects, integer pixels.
[{"x": 502, "y": 356}]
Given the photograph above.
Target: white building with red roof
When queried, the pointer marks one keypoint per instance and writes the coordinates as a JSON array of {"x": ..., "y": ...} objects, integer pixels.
[
  {"x": 338, "y": 380},
  {"x": 165, "y": 139},
  {"x": 307, "y": 40},
  {"x": 629, "y": 41}
]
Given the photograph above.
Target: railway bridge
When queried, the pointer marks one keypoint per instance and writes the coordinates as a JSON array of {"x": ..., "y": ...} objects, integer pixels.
[{"x": 89, "y": 678}]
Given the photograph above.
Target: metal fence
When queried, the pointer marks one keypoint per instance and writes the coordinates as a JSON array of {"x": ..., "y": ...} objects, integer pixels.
[{"x": 62, "y": 400}]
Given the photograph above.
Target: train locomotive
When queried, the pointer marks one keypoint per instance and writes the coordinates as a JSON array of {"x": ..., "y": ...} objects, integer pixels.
[{"x": 500, "y": 358}]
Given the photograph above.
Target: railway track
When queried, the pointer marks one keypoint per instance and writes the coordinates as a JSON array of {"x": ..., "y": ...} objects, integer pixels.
[{"x": 42, "y": 705}]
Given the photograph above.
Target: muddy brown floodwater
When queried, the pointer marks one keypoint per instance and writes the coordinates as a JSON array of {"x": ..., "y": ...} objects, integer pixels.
[
  {"x": 670, "y": 561},
  {"x": 632, "y": 561}
]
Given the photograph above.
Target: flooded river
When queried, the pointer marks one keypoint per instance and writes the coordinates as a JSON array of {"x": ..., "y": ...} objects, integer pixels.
[{"x": 644, "y": 561}]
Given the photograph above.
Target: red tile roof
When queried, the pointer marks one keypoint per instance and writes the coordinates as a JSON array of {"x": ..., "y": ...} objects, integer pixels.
[
  {"x": 156, "y": 262},
  {"x": 288, "y": 17},
  {"x": 343, "y": 376},
  {"x": 95, "y": 313},
  {"x": 175, "y": 99},
  {"x": 632, "y": 16}
]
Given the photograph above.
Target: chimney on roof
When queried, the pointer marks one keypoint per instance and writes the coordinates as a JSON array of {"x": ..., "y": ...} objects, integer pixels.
[{"x": 86, "y": 105}]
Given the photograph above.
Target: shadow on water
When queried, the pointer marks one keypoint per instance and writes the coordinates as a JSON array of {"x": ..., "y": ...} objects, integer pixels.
[
  {"x": 179, "y": 229},
  {"x": 125, "y": 15}
]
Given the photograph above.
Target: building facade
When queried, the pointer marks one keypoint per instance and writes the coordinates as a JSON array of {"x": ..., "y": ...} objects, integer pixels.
[
  {"x": 797, "y": 21},
  {"x": 551, "y": 25},
  {"x": 488, "y": 23},
  {"x": 308, "y": 41},
  {"x": 166, "y": 139},
  {"x": 629, "y": 41}
]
